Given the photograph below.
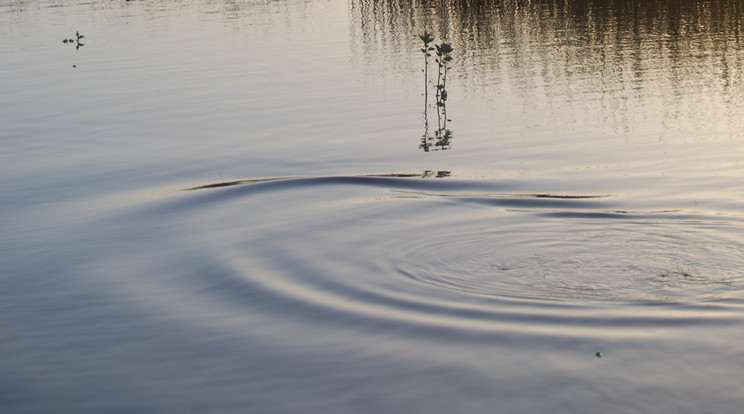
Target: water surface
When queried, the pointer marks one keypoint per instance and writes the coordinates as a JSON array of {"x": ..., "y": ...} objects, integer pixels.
[{"x": 217, "y": 206}]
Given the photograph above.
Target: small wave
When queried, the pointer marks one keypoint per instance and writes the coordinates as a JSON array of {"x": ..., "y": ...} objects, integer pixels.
[
  {"x": 485, "y": 192},
  {"x": 329, "y": 180},
  {"x": 411, "y": 252}
]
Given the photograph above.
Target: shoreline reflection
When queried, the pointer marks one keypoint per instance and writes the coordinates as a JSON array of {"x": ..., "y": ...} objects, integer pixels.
[{"x": 624, "y": 60}]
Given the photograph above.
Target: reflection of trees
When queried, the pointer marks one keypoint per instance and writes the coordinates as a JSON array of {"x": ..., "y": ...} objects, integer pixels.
[
  {"x": 683, "y": 47},
  {"x": 442, "y": 136},
  {"x": 483, "y": 24}
]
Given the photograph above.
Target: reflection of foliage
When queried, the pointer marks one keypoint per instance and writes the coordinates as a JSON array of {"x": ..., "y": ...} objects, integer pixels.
[
  {"x": 442, "y": 136},
  {"x": 610, "y": 39}
]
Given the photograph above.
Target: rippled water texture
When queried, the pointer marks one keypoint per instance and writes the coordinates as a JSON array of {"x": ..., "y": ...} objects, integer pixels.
[{"x": 259, "y": 206}]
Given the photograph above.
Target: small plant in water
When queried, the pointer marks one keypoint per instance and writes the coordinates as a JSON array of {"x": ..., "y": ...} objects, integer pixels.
[
  {"x": 442, "y": 137},
  {"x": 443, "y": 58},
  {"x": 427, "y": 38}
]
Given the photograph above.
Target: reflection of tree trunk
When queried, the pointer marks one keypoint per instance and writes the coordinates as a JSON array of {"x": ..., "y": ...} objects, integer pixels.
[
  {"x": 442, "y": 136},
  {"x": 439, "y": 80},
  {"x": 424, "y": 144},
  {"x": 426, "y": 81}
]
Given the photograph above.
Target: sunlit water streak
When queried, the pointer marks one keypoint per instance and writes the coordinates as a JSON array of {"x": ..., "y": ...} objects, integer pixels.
[{"x": 194, "y": 217}]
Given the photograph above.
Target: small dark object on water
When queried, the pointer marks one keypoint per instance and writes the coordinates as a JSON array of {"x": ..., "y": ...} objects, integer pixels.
[
  {"x": 74, "y": 66},
  {"x": 598, "y": 354},
  {"x": 79, "y": 36}
]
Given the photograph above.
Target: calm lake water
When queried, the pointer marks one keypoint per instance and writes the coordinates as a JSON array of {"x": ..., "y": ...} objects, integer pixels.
[{"x": 217, "y": 206}]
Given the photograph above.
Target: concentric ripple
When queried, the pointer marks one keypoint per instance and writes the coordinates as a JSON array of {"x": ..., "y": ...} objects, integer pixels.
[
  {"x": 383, "y": 244},
  {"x": 591, "y": 260}
]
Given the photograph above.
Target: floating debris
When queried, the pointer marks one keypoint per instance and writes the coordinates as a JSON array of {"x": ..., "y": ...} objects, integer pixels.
[
  {"x": 598, "y": 354},
  {"x": 71, "y": 40}
]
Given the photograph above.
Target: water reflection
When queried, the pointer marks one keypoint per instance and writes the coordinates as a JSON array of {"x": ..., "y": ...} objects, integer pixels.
[
  {"x": 680, "y": 29},
  {"x": 442, "y": 137},
  {"x": 626, "y": 60}
]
